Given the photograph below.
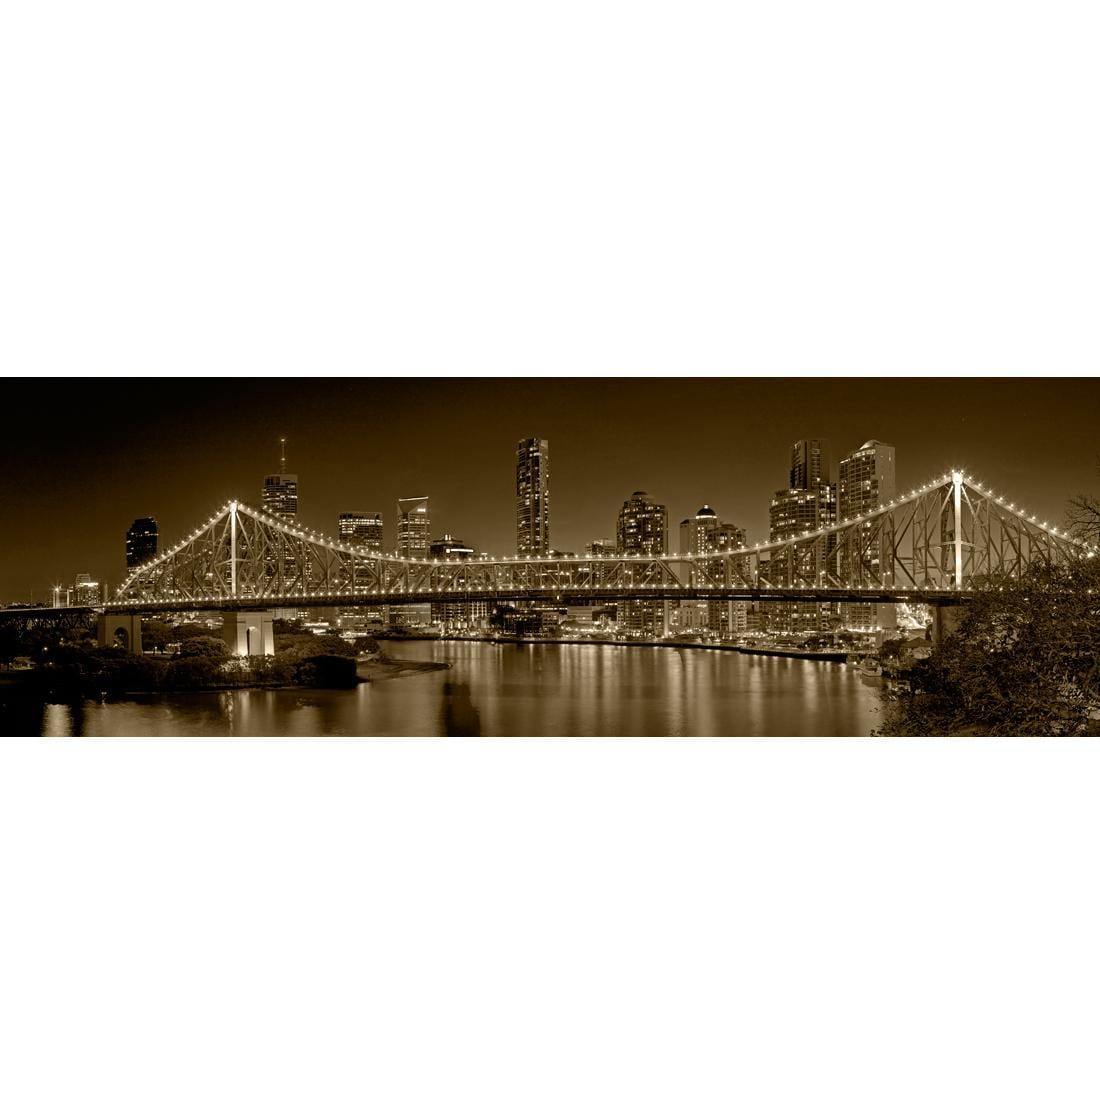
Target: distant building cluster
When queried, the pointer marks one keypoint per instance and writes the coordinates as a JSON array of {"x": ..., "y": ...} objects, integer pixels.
[{"x": 814, "y": 498}]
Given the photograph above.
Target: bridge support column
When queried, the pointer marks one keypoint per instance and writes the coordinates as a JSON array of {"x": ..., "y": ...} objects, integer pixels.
[
  {"x": 119, "y": 631},
  {"x": 945, "y": 620},
  {"x": 249, "y": 633}
]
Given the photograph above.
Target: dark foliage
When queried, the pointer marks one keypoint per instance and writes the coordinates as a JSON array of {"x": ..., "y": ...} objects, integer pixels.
[
  {"x": 1025, "y": 660},
  {"x": 204, "y": 646},
  {"x": 327, "y": 671}
]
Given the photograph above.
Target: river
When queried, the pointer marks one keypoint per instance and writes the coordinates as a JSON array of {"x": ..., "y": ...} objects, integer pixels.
[{"x": 506, "y": 690}]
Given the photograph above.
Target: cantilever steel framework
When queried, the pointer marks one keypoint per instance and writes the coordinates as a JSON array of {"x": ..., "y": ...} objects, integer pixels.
[{"x": 942, "y": 541}]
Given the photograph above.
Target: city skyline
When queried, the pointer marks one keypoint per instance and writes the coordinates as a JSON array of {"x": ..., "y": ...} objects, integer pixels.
[{"x": 470, "y": 478}]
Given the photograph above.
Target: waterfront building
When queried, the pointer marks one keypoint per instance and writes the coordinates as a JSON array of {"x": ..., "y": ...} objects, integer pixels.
[
  {"x": 866, "y": 480},
  {"x": 361, "y": 528},
  {"x": 86, "y": 592},
  {"x": 533, "y": 497},
  {"x": 807, "y": 504},
  {"x": 280, "y": 494},
  {"x": 141, "y": 542},
  {"x": 457, "y": 617},
  {"x": 414, "y": 527},
  {"x": 705, "y": 533},
  {"x": 643, "y": 530}
]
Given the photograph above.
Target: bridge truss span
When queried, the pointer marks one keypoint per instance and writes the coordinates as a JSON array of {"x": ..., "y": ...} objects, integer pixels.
[{"x": 951, "y": 537}]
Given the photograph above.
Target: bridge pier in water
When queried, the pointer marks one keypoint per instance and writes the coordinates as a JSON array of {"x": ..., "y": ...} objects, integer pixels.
[
  {"x": 945, "y": 620},
  {"x": 249, "y": 633},
  {"x": 119, "y": 631}
]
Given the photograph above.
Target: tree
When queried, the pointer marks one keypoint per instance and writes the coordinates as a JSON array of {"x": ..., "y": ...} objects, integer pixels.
[
  {"x": 1083, "y": 517},
  {"x": 327, "y": 671},
  {"x": 155, "y": 634},
  {"x": 1025, "y": 660},
  {"x": 198, "y": 672},
  {"x": 204, "y": 646}
]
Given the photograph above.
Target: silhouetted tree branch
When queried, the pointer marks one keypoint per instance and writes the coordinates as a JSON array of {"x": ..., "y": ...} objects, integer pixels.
[{"x": 1083, "y": 516}]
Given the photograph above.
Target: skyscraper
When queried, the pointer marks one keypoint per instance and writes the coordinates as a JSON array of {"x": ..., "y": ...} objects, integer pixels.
[
  {"x": 533, "y": 497},
  {"x": 361, "y": 528},
  {"x": 811, "y": 463},
  {"x": 280, "y": 495},
  {"x": 642, "y": 526},
  {"x": 704, "y": 533},
  {"x": 699, "y": 534},
  {"x": 643, "y": 530},
  {"x": 141, "y": 542},
  {"x": 414, "y": 527},
  {"x": 867, "y": 479},
  {"x": 807, "y": 504}
]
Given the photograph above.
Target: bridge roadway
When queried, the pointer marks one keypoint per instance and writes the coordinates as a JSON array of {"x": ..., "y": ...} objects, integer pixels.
[{"x": 562, "y": 596}]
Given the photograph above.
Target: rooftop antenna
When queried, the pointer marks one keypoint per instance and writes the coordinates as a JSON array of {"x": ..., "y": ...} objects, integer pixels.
[{"x": 282, "y": 454}]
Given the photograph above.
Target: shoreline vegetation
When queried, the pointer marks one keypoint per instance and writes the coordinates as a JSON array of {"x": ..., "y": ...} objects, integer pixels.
[{"x": 189, "y": 658}]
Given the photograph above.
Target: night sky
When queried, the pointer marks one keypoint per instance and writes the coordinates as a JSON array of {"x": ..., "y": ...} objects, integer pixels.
[{"x": 82, "y": 458}]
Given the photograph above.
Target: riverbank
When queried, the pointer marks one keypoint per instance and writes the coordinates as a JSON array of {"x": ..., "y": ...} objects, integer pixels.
[{"x": 831, "y": 655}]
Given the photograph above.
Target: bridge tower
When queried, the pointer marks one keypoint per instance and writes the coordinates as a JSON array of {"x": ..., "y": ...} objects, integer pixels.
[
  {"x": 249, "y": 633},
  {"x": 119, "y": 631}
]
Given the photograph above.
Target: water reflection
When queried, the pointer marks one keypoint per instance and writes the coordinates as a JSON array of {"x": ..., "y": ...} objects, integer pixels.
[{"x": 505, "y": 689}]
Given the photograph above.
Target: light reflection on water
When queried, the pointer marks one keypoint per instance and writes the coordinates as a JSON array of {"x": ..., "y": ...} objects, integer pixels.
[{"x": 505, "y": 689}]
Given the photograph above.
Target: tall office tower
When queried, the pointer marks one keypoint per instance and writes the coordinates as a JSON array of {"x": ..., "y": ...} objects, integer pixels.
[
  {"x": 414, "y": 527},
  {"x": 643, "y": 529},
  {"x": 866, "y": 479},
  {"x": 141, "y": 542},
  {"x": 361, "y": 528},
  {"x": 86, "y": 592},
  {"x": 811, "y": 463},
  {"x": 280, "y": 496},
  {"x": 533, "y": 497}
]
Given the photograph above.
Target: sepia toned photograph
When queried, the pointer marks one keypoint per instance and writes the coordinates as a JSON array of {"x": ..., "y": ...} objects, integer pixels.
[
  {"x": 549, "y": 558},
  {"x": 562, "y": 557}
]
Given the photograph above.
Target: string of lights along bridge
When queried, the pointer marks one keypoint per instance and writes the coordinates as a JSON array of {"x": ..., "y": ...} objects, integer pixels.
[{"x": 936, "y": 544}]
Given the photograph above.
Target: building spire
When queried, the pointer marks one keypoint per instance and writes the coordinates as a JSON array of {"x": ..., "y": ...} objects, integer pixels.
[{"x": 282, "y": 454}]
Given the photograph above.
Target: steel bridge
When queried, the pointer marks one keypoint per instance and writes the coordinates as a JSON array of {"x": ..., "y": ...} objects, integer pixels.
[{"x": 936, "y": 544}]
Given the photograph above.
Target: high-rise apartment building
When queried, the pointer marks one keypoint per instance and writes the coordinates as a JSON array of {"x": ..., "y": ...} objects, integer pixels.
[
  {"x": 533, "y": 497},
  {"x": 643, "y": 529},
  {"x": 811, "y": 463},
  {"x": 866, "y": 479},
  {"x": 361, "y": 528},
  {"x": 642, "y": 526},
  {"x": 807, "y": 504},
  {"x": 699, "y": 534},
  {"x": 414, "y": 527},
  {"x": 458, "y": 616},
  {"x": 705, "y": 533},
  {"x": 141, "y": 542},
  {"x": 280, "y": 494}
]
